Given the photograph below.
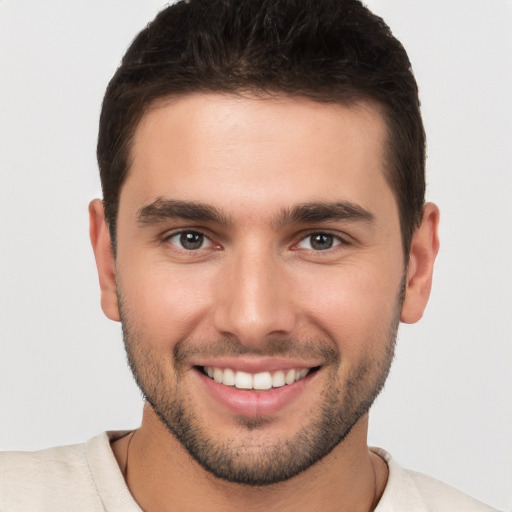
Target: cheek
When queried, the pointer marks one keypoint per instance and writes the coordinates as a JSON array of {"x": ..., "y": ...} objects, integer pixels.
[
  {"x": 355, "y": 307},
  {"x": 166, "y": 303}
]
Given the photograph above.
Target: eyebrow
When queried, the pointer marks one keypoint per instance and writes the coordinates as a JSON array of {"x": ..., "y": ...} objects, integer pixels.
[
  {"x": 162, "y": 209},
  {"x": 324, "y": 212}
]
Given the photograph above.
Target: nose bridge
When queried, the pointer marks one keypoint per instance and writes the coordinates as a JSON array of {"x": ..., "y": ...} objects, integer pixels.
[{"x": 254, "y": 301}]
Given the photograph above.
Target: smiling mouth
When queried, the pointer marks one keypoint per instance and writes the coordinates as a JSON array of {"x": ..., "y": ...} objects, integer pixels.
[{"x": 256, "y": 381}]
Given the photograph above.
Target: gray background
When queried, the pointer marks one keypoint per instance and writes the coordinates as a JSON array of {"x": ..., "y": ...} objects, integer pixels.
[{"x": 447, "y": 408}]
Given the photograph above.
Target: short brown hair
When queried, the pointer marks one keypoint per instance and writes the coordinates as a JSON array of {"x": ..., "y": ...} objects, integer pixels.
[{"x": 324, "y": 50}]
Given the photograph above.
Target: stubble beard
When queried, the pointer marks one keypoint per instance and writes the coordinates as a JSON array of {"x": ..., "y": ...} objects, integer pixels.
[{"x": 251, "y": 458}]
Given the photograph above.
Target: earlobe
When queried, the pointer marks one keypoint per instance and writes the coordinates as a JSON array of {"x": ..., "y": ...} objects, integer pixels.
[
  {"x": 105, "y": 262},
  {"x": 423, "y": 252}
]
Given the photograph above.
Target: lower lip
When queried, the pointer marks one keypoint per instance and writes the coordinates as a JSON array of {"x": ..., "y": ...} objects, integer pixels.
[{"x": 254, "y": 403}]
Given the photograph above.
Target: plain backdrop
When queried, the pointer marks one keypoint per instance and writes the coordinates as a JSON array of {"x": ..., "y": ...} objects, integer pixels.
[{"x": 447, "y": 407}]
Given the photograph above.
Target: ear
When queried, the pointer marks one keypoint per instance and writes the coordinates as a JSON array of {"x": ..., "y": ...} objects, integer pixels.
[
  {"x": 105, "y": 262},
  {"x": 424, "y": 249}
]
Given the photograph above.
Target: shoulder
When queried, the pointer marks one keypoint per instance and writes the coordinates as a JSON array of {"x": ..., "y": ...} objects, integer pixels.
[
  {"x": 60, "y": 478},
  {"x": 409, "y": 490}
]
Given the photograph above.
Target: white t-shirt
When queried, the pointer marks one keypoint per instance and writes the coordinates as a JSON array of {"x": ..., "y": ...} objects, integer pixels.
[{"x": 86, "y": 478}]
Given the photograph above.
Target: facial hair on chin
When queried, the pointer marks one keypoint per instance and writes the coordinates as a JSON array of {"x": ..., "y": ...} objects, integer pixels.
[{"x": 246, "y": 460}]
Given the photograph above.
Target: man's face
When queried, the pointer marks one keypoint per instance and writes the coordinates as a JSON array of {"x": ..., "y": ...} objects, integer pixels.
[{"x": 259, "y": 247}]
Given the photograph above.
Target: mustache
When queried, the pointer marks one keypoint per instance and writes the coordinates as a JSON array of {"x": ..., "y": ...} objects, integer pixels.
[{"x": 231, "y": 346}]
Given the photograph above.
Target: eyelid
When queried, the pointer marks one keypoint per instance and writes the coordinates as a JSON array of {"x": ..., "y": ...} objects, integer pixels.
[
  {"x": 342, "y": 239},
  {"x": 169, "y": 235}
]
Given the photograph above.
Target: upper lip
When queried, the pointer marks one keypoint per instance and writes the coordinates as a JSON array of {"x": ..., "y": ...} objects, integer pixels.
[{"x": 256, "y": 364}]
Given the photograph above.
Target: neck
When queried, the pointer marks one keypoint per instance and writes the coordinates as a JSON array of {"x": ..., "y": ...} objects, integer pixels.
[{"x": 162, "y": 476}]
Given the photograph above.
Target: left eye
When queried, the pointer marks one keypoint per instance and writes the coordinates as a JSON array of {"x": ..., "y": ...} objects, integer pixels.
[
  {"x": 189, "y": 240},
  {"x": 319, "y": 242}
]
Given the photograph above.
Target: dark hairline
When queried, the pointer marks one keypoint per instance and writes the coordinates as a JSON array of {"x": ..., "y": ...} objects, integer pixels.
[{"x": 355, "y": 101}]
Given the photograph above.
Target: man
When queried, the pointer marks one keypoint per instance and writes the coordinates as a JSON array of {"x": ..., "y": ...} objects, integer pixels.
[{"x": 262, "y": 233}]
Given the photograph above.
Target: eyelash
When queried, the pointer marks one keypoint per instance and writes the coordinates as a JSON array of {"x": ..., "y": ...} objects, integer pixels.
[
  {"x": 336, "y": 239},
  {"x": 205, "y": 238}
]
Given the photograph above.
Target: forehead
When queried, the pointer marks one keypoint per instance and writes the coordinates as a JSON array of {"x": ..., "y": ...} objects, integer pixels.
[{"x": 262, "y": 152}]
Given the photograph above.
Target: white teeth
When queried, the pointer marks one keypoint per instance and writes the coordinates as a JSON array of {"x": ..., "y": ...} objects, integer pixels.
[
  {"x": 218, "y": 375},
  {"x": 243, "y": 380},
  {"x": 229, "y": 377},
  {"x": 259, "y": 381},
  {"x": 278, "y": 379},
  {"x": 290, "y": 377},
  {"x": 301, "y": 374},
  {"x": 262, "y": 381}
]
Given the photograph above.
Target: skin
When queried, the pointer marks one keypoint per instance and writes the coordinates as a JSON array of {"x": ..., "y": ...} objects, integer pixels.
[{"x": 257, "y": 278}]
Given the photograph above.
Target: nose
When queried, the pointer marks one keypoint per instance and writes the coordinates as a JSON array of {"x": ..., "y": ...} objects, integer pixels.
[{"x": 254, "y": 299}]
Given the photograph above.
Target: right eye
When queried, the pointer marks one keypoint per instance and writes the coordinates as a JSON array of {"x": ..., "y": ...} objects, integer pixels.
[{"x": 189, "y": 240}]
